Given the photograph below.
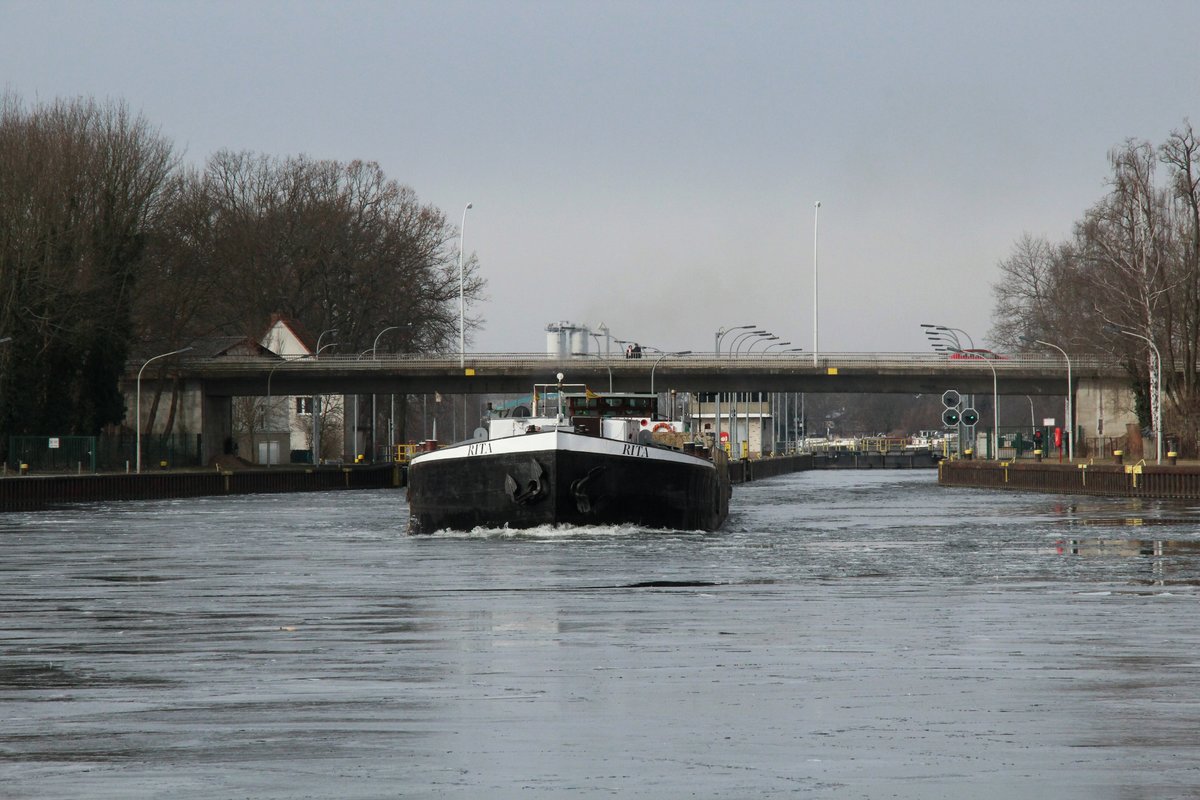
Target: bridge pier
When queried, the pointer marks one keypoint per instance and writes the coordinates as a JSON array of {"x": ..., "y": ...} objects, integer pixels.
[
  {"x": 217, "y": 426},
  {"x": 1103, "y": 408}
]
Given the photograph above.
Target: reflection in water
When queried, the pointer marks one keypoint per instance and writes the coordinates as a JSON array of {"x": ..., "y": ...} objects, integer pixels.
[
  {"x": 1168, "y": 563},
  {"x": 1129, "y": 547},
  {"x": 854, "y": 634}
]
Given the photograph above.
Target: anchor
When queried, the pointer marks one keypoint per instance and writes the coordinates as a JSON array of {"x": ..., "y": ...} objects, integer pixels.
[
  {"x": 532, "y": 491},
  {"x": 583, "y": 500}
]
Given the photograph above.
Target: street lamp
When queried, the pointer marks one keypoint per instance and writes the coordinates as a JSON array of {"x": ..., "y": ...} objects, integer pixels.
[
  {"x": 138, "y": 401},
  {"x": 322, "y": 336},
  {"x": 995, "y": 398},
  {"x": 316, "y": 402},
  {"x": 1157, "y": 388},
  {"x": 660, "y": 358},
  {"x": 375, "y": 346},
  {"x": 267, "y": 421},
  {"x": 737, "y": 340},
  {"x": 760, "y": 341},
  {"x": 1070, "y": 400},
  {"x": 776, "y": 344},
  {"x": 720, "y": 334},
  {"x": 816, "y": 347},
  {"x": 355, "y": 436},
  {"x": 373, "y": 416},
  {"x": 946, "y": 333},
  {"x": 754, "y": 338},
  {"x": 462, "y": 303}
]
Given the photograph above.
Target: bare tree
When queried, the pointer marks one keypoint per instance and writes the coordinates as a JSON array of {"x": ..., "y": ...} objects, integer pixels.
[
  {"x": 80, "y": 184},
  {"x": 333, "y": 245},
  {"x": 1180, "y": 153}
]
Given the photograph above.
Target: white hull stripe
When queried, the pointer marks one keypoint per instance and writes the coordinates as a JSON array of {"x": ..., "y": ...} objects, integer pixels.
[{"x": 559, "y": 440}]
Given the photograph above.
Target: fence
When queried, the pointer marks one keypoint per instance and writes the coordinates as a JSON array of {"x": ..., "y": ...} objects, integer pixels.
[
  {"x": 109, "y": 453},
  {"x": 53, "y": 453}
]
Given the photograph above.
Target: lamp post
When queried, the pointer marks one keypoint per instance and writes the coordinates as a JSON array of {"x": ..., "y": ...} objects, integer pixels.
[
  {"x": 267, "y": 420},
  {"x": 660, "y": 358},
  {"x": 322, "y": 336},
  {"x": 1156, "y": 389},
  {"x": 604, "y": 331},
  {"x": 995, "y": 399},
  {"x": 1070, "y": 416},
  {"x": 760, "y": 341},
  {"x": 816, "y": 347},
  {"x": 316, "y": 402},
  {"x": 753, "y": 337},
  {"x": 720, "y": 334},
  {"x": 946, "y": 334},
  {"x": 355, "y": 435},
  {"x": 462, "y": 303},
  {"x": 773, "y": 402},
  {"x": 737, "y": 340},
  {"x": 373, "y": 348},
  {"x": 942, "y": 335},
  {"x": 734, "y": 347},
  {"x": 138, "y": 401}
]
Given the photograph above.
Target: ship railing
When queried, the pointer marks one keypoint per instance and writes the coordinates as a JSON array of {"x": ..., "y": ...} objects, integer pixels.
[{"x": 405, "y": 452}]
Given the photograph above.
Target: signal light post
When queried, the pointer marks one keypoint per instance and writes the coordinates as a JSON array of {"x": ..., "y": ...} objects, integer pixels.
[{"x": 951, "y": 418}]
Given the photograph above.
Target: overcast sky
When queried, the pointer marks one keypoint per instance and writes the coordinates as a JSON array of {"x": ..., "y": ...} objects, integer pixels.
[{"x": 654, "y": 165}]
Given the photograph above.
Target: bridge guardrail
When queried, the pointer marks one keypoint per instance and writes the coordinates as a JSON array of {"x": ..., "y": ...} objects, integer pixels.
[{"x": 798, "y": 360}]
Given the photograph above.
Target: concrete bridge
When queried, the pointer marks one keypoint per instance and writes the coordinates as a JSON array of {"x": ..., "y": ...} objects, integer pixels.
[
  {"x": 1102, "y": 386},
  {"x": 901, "y": 373}
]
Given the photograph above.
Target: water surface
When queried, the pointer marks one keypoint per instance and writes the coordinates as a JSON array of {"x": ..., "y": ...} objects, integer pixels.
[{"x": 848, "y": 634}]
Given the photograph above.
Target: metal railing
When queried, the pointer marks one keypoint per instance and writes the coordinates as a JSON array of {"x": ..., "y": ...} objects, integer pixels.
[{"x": 800, "y": 361}]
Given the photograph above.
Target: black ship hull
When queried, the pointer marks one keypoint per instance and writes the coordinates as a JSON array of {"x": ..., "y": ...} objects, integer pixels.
[{"x": 564, "y": 478}]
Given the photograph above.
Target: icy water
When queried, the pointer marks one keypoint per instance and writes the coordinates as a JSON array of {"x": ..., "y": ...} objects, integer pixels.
[{"x": 846, "y": 635}]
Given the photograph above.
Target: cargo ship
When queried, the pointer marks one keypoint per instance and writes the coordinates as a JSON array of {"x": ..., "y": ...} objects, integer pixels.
[{"x": 580, "y": 458}]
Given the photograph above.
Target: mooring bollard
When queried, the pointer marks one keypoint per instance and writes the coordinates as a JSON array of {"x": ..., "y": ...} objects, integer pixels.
[
  {"x": 968, "y": 454},
  {"x": 1118, "y": 456},
  {"x": 1037, "y": 455},
  {"x": 1172, "y": 458},
  {"x": 24, "y": 468}
]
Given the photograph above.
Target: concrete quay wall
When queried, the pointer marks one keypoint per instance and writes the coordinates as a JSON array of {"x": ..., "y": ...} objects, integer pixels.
[
  {"x": 34, "y": 492},
  {"x": 756, "y": 469},
  {"x": 1111, "y": 480}
]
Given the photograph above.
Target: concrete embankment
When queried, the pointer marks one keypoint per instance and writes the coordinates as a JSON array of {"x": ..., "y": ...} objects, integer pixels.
[
  {"x": 32, "y": 492},
  {"x": 1112, "y": 480},
  {"x": 759, "y": 468}
]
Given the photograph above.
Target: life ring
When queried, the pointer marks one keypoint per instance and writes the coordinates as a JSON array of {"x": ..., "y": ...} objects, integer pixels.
[{"x": 662, "y": 426}]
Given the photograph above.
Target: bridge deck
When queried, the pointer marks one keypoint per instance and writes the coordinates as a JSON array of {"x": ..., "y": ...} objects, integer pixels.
[{"x": 914, "y": 373}]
